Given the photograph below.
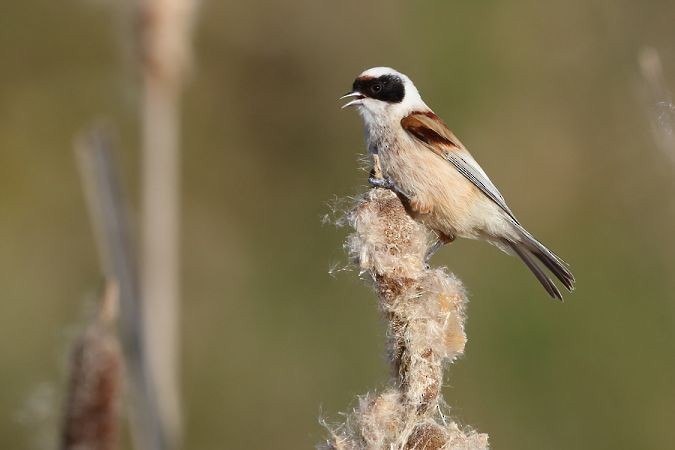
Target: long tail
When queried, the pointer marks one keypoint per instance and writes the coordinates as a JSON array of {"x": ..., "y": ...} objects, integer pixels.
[{"x": 527, "y": 247}]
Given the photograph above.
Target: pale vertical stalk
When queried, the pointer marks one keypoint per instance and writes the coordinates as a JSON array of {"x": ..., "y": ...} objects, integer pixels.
[
  {"x": 165, "y": 28},
  {"x": 160, "y": 253},
  {"x": 659, "y": 101}
]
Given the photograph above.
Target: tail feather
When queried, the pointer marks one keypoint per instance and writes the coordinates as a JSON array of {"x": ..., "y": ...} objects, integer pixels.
[
  {"x": 561, "y": 272},
  {"x": 522, "y": 252},
  {"x": 552, "y": 261}
]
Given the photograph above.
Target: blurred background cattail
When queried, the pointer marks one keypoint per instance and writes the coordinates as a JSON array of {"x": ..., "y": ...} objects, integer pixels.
[{"x": 91, "y": 419}]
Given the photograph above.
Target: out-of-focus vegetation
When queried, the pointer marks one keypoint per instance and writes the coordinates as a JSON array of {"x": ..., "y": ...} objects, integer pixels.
[{"x": 545, "y": 94}]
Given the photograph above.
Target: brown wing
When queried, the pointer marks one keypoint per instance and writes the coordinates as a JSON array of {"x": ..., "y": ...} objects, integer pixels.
[{"x": 430, "y": 130}]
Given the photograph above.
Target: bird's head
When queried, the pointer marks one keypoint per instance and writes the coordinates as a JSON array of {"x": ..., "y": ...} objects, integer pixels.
[{"x": 382, "y": 93}]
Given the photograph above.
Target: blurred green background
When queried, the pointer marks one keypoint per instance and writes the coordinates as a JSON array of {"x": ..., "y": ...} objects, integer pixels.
[{"x": 546, "y": 95}]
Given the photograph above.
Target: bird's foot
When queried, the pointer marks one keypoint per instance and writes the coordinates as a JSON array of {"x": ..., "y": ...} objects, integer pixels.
[{"x": 384, "y": 183}]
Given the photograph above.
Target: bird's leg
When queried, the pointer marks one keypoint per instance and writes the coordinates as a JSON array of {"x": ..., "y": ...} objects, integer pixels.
[
  {"x": 440, "y": 242},
  {"x": 376, "y": 178},
  {"x": 376, "y": 171}
]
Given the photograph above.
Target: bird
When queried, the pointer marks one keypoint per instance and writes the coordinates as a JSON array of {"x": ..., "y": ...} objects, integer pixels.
[{"x": 416, "y": 155}]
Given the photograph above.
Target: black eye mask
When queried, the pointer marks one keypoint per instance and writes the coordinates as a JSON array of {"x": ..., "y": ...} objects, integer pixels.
[{"x": 388, "y": 88}]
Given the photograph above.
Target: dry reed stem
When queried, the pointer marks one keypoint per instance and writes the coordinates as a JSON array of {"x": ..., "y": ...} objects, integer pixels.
[
  {"x": 110, "y": 219},
  {"x": 165, "y": 28},
  {"x": 95, "y": 379},
  {"x": 424, "y": 310}
]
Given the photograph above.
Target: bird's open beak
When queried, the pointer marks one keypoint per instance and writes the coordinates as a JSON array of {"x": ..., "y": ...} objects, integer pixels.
[{"x": 357, "y": 101}]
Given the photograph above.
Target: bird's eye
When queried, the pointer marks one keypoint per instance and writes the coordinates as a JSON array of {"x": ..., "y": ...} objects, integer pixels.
[{"x": 376, "y": 88}]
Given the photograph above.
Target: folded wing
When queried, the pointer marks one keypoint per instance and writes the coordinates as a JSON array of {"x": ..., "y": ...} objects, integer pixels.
[{"x": 430, "y": 130}]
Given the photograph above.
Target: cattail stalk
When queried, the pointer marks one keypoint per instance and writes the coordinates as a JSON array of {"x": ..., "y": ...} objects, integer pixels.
[
  {"x": 165, "y": 27},
  {"x": 424, "y": 311}
]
